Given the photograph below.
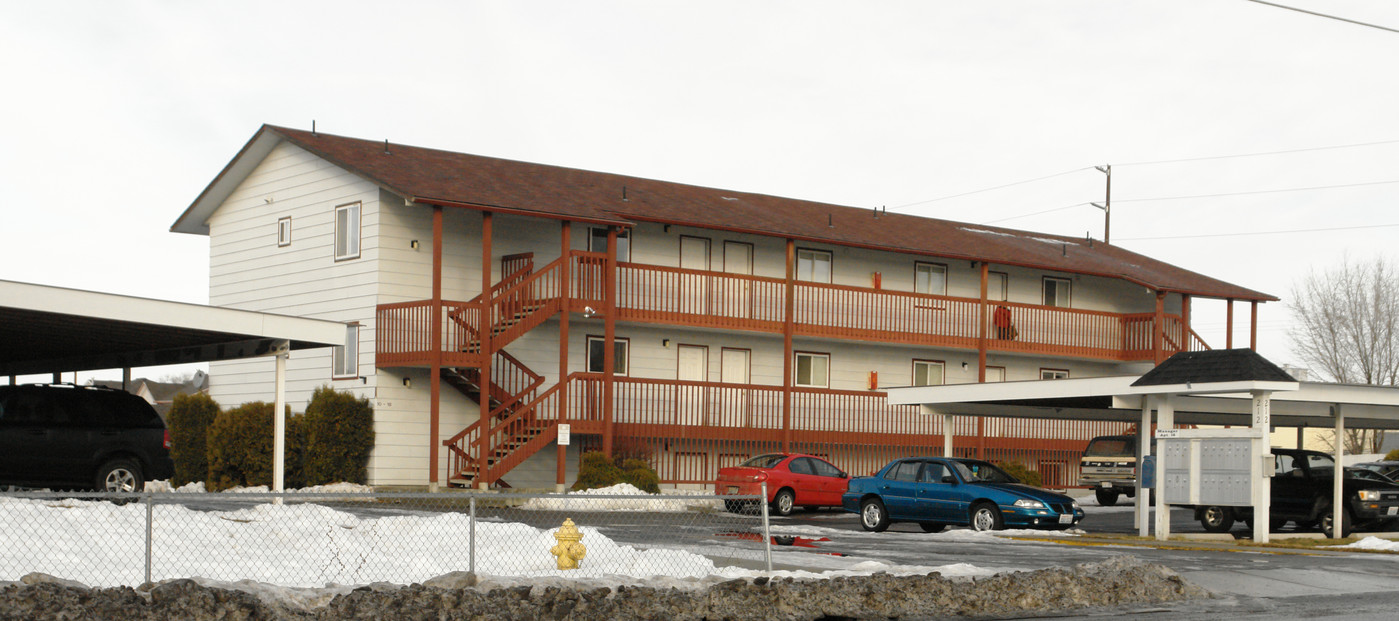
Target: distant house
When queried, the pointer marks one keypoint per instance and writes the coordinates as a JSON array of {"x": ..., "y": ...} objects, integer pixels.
[
  {"x": 494, "y": 304},
  {"x": 161, "y": 395}
]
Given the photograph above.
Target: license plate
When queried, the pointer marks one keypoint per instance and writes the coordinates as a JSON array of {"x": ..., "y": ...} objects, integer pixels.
[
  {"x": 733, "y": 489},
  {"x": 1394, "y": 511},
  {"x": 1105, "y": 484},
  {"x": 1066, "y": 519}
]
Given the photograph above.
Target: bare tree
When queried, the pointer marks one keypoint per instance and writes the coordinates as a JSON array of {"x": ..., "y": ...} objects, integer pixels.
[{"x": 1346, "y": 327}]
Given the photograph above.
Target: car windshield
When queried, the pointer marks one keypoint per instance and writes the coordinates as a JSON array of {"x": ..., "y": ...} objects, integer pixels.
[
  {"x": 763, "y": 461},
  {"x": 1111, "y": 447},
  {"x": 982, "y": 471}
]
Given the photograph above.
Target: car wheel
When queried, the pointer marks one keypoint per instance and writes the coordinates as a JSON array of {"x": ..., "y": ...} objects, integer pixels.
[
  {"x": 1106, "y": 498},
  {"x": 120, "y": 475},
  {"x": 1326, "y": 523},
  {"x": 1216, "y": 519},
  {"x": 932, "y": 527},
  {"x": 873, "y": 517},
  {"x": 783, "y": 502},
  {"x": 986, "y": 516}
]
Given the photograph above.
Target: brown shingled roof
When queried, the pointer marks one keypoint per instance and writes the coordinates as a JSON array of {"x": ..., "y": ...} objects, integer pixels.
[{"x": 443, "y": 177}]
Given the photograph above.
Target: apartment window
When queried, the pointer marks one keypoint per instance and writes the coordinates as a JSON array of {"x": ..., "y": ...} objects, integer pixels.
[
  {"x": 813, "y": 370},
  {"x": 1054, "y": 374},
  {"x": 345, "y": 358},
  {"x": 1056, "y": 291},
  {"x": 813, "y": 265},
  {"x": 284, "y": 232},
  {"x": 928, "y": 373},
  {"x": 597, "y": 242},
  {"x": 347, "y": 231},
  {"x": 597, "y": 350},
  {"x": 930, "y": 278}
]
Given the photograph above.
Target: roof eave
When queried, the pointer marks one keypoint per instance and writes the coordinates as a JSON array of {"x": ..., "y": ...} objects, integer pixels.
[{"x": 195, "y": 219}]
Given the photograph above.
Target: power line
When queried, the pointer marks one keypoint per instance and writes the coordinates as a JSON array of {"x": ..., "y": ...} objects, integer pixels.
[
  {"x": 1290, "y": 8},
  {"x": 1285, "y": 151},
  {"x": 1254, "y": 233},
  {"x": 934, "y": 200},
  {"x": 1318, "y": 187},
  {"x": 1026, "y": 215}
]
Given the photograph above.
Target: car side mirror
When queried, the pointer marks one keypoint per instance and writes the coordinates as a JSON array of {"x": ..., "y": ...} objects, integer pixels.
[
  {"x": 844, "y": 475},
  {"x": 947, "y": 478}
]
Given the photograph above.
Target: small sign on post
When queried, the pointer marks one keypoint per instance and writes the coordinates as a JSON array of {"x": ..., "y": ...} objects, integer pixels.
[{"x": 564, "y": 431}]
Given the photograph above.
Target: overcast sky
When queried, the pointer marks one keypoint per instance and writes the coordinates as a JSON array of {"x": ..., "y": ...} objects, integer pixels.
[{"x": 117, "y": 114}]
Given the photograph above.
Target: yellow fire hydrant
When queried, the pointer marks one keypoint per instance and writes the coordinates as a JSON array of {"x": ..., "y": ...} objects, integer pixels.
[{"x": 569, "y": 550}]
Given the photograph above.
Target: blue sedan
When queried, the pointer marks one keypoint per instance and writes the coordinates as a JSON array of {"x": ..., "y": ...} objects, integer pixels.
[{"x": 938, "y": 491}]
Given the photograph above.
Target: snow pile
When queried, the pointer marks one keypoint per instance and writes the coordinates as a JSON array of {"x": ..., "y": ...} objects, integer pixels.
[
  {"x": 198, "y": 488},
  {"x": 1373, "y": 543},
  {"x": 626, "y": 497},
  {"x": 302, "y": 545}
]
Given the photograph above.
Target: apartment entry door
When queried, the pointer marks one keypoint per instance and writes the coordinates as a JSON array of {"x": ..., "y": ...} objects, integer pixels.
[
  {"x": 735, "y": 297},
  {"x": 694, "y": 290},
  {"x": 692, "y": 365},
  {"x": 736, "y": 404}
]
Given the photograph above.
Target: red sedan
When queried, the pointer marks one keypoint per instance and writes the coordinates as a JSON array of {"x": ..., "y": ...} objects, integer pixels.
[{"x": 792, "y": 481}]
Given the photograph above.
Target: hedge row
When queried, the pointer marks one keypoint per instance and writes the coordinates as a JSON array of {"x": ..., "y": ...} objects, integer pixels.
[{"x": 330, "y": 443}]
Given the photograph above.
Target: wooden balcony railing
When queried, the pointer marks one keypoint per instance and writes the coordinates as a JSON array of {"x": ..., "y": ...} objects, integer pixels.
[
  {"x": 656, "y": 294},
  {"x": 404, "y": 333}
]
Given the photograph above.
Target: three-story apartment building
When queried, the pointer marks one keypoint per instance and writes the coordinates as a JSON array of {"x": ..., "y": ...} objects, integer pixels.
[{"x": 496, "y": 307}]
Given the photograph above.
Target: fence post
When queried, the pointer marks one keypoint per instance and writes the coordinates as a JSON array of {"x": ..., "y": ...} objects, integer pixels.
[
  {"x": 150, "y": 519},
  {"x": 767, "y": 531},
  {"x": 471, "y": 542}
]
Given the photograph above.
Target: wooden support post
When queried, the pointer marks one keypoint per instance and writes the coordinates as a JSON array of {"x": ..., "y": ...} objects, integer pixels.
[
  {"x": 1158, "y": 348},
  {"x": 1253, "y": 326},
  {"x": 434, "y": 434},
  {"x": 1184, "y": 322},
  {"x": 565, "y": 291},
  {"x": 487, "y": 324},
  {"x": 983, "y": 326},
  {"x": 609, "y": 339},
  {"x": 1229, "y": 324},
  {"x": 788, "y": 327}
]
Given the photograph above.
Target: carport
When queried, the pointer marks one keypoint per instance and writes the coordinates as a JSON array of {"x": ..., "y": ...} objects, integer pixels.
[
  {"x": 46, "y": 329},
  {"x": 1232, "y": 387}
]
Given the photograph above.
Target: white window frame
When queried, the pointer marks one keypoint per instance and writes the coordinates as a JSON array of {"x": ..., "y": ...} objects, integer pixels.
[
  {"x": 919, "y": 284},
  {"x": 347, "y": 231},
  {"x": 809, "y": 255},
  {"x": 928, "y": 366},
  {"x": 1053, "y": 374},
  {"x": 344, "y": 359},
  {"x": 597, "y": 242},
  {"x": 1063, "y": 290},
  {"x": 284, "y": 232},
  {"x": 811, "y": 380},
  {"x": 620, "y": 358}
]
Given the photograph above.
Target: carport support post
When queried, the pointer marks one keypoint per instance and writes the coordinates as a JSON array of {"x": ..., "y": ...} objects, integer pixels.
[
  {"x": 1337, "y": 505},
  {"x": 1143, "y": 450},
  {"x": 279, "y": 417},
  {"x": 1165, "y": 419},
  {"x": 947, "y": 434},
  {"x": 1263, "y": 451}
]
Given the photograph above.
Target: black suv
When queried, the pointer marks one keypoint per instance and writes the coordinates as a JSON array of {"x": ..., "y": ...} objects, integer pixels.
[
  {"x": 1301, "y": 493},
  {"x": 69, "y": 437}
]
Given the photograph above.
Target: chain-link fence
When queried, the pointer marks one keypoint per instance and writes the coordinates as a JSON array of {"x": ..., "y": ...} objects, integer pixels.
[{"x": 315, "y": 539}]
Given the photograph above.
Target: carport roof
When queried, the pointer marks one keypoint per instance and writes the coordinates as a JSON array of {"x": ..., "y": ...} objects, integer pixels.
[
  {"x": 46, "y": 329},
  {"x": 1118, "y": 398}
]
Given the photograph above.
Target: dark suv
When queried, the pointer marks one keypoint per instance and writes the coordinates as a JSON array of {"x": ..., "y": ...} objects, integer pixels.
[
  {"x": 1301, "y": 493},
  {"x": 69, "y": 437}
]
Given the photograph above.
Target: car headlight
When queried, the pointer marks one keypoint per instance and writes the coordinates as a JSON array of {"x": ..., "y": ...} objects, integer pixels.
[
  {"x": 1369, "y": 494},
  {"x": 1029, "y": 504},
  {"x": 1075, "y": 506}
]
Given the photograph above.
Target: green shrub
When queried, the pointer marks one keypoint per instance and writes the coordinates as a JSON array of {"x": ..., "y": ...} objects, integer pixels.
[
  {"x": 188, "y": 422},
  {"x": 641, "y": 476},
  {"x": 1392, "y": 455},
  {"x": 240, "y": 448},
  {"x": 597, "y": 470},
  {"x": 339, "y": 437},
  {"x": 1020, "y": 472}
]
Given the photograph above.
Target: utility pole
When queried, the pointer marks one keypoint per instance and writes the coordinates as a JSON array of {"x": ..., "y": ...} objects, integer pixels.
[{"x": 1106, "y": 205}]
